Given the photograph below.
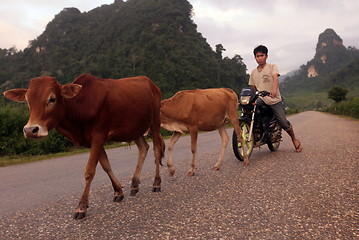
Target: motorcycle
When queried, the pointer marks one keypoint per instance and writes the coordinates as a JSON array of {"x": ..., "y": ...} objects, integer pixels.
[{"x": 258, "y": 124}]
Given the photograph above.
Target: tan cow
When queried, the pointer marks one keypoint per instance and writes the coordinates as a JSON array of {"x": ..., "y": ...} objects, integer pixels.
[
  {"x": 91, "y": 111},
  {"x": 201, "y": 109}
]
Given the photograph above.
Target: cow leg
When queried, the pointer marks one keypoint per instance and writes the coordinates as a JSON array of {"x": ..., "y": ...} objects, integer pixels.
[
  {"x": 194, "y": 136},
  {"x": 173, "y": 140},
  {"x": 159, "y": 150},
  {"x": 224, "y": 136},
  {"x": 90, "y": 171},
  {"x": 142, "y": 146},
  {"x": 118, "y": 193}
]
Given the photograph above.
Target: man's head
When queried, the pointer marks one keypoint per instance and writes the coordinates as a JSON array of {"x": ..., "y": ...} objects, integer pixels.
[
  {"x": 260, "y": 48},
  {"x": 261, "y": 54}
]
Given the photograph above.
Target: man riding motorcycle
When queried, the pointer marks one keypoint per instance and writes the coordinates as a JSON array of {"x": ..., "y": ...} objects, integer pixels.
[{"x": 265, "y": 78}]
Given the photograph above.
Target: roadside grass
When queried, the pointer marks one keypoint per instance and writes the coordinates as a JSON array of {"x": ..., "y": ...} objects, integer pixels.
[
  {"x": 342, "y": 116},
  {"x": 347, "y": 108},
  {"x": 21, "y": 159}
]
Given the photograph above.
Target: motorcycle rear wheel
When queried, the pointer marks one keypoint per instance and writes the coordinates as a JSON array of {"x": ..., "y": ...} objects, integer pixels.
[
  {"x": 273, "y": 146},
  {"x": 238, "y": 149}
]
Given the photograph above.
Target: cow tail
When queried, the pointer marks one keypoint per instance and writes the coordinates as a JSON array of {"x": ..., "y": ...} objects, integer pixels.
[
  {"x": 159, "y": 139},
  {"x": 156, "y": 124}
]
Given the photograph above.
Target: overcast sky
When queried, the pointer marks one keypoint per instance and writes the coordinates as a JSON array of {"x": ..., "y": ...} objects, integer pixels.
[{"x": 289, "y": 28}]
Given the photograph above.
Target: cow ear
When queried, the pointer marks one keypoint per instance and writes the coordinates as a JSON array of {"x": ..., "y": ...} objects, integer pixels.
[
  {"x": 17, "y": 95},
  {"x": 70, "y": 90}
]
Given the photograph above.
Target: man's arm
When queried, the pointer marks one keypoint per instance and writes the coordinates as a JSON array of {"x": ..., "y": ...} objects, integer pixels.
[{"x": 273, "y": 93}]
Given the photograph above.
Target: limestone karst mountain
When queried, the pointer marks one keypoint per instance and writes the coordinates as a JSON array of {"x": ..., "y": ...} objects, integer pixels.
[{"x": 332, "y": 65}]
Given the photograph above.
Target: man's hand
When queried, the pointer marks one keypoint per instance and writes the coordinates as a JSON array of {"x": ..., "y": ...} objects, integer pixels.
[{"x": 273, "y": 94}]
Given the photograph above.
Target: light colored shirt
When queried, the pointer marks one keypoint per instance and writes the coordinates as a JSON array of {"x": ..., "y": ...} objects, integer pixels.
[{"x": 263, "y": 80}]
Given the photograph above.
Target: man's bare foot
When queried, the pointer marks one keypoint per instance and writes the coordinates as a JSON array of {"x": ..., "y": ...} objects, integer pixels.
[{"x": 297, "y": 145}]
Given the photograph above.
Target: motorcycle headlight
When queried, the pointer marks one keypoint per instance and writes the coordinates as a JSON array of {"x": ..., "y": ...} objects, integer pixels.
[{"x": 245, "y": 100}]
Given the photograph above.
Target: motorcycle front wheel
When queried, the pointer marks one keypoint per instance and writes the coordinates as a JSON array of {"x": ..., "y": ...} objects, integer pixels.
[{"x": 238, "y": 149}]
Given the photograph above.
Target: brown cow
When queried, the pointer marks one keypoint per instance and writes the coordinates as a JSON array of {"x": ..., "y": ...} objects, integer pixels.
[
  {"x": 201, "y": 109},
  {"x": 91, "y": 111}
]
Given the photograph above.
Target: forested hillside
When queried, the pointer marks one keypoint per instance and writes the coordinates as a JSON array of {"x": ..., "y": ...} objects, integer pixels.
[{"x": 156, "y": 38}]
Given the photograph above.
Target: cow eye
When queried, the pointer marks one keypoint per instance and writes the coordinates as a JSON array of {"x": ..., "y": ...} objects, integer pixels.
[{"x": 51, "y": 100}]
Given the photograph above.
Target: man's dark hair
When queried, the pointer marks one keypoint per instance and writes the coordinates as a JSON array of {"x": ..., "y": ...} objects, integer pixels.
[{"x": 262, "y": 49}]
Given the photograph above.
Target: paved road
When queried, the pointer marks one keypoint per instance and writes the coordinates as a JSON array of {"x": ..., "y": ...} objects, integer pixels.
[{"x": 280, "y": 195}]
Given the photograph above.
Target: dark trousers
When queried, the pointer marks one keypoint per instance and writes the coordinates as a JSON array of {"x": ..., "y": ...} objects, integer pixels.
[{"x": 279, "y": 113}]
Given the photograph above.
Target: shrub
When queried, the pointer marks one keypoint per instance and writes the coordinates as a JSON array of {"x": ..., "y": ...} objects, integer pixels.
[
  {"x": 12, "y": 141},
  {"x": 347, "y": 108}
]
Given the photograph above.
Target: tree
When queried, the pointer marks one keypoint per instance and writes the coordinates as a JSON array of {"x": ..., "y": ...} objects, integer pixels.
[
  {"x": 337, "y": 94},
  {"x": 219, "y": 50}
]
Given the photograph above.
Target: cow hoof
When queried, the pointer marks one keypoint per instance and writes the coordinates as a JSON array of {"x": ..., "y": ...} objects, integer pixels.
[
  {"x": 118, "y": 198},
  {"x": 156, "y": 189},
  {"x": 190, "y": 174},
  {"x": 134, "y": 191},
  {"x": 172, "y": 172},
  {"x": 79, "y": 215},
  {"x": 215, "y": 168}
]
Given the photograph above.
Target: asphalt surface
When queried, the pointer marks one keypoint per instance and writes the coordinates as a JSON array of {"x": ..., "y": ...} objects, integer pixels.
[{"x": 280, "y": 195}]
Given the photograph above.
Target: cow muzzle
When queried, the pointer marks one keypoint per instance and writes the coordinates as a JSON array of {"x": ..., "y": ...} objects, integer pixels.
[{"x": 34, "y": 132}]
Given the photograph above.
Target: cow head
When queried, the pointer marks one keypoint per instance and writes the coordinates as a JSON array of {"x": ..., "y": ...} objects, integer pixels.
[{"x": 45, "y": 98}]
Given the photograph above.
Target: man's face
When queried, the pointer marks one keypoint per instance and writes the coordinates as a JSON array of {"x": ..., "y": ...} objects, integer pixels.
[{"x": 261, "y": 58}]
